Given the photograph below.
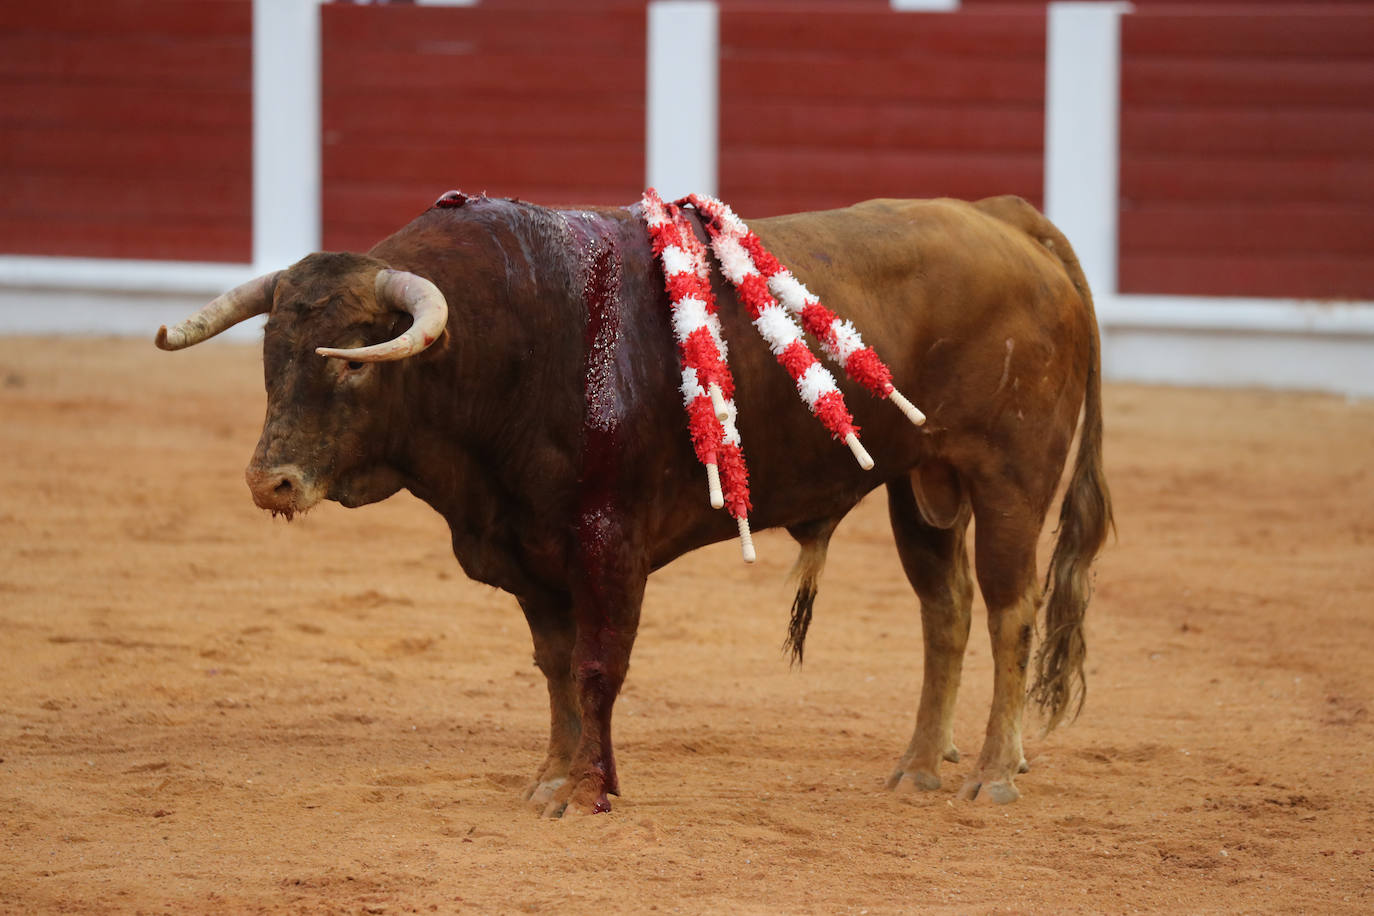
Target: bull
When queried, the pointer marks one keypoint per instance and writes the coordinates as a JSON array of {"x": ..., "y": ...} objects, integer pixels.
[{"x": 514, "y": 367}]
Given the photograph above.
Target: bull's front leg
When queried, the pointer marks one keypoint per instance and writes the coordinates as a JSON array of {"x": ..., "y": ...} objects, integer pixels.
[
  {"x": 551, "y": 625},
  {"x": 607, "y": 595}
]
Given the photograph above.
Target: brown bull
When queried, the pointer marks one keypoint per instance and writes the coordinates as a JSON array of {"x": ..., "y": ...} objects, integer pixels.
[{"x": 532, "y": 401}]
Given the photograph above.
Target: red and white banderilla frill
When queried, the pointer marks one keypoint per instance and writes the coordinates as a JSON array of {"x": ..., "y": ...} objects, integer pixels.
[
  {"x": 707, "y": 387},
  {"x": 776, "y": 302},
  {"x": 839, "y": 339},
  {"x": 779, "y": 329}
]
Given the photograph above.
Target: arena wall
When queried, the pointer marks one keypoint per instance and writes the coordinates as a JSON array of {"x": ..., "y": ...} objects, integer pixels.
[
  {"x": 1210, "y": 161},
  {"x": 126, "y": 129}
]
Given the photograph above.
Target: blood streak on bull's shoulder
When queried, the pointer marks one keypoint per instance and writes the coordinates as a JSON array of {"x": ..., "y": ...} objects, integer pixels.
[
  {"x": 603, "y": 609},
  {"x": 598, "y": 262}
]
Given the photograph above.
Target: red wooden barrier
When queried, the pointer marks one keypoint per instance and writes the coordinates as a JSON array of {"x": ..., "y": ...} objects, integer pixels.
[
  {"x": 839, "y": 105},
  {"x": 825, "y": 102},
  {"x": 126, "y": 129},
  {"x": 539, "y": 101},
  {"x": 1247, "y": 126},
  {"x": 1182, "y": 6},
  {"x": 1245, "y": 148}
]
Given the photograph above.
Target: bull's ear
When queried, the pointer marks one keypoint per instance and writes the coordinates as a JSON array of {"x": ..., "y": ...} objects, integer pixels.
[
  {"x": 405, "y": 292},
  {"x": 239, "y": 304}
]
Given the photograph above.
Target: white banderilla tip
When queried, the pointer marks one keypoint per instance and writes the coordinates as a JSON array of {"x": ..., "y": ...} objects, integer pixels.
[
  {"x": 860, "y": 454},
  {"x": 906, "y": 407},
  {"x": 718, "y": 403},
  {"x": 746, "y": 540},
  {"x": 713, "y": 485}
]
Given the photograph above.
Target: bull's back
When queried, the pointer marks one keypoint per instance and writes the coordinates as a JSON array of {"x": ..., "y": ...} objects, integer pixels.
[
  {"x": 973, "y": 305},
  {"x": 937, "y": 288},
  {"x": 917, "y": 274},
  {"x": 927, "y": 252}
]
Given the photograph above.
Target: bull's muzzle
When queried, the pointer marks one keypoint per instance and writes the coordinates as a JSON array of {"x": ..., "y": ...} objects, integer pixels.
[{"x": 283, "y": 489}]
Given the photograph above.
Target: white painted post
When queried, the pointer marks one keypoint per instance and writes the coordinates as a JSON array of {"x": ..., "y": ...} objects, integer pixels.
[
  {"x": 683, "y": 97},
  {"x": 286, "y": 131},
  {"x": 1082, "y": 135},
  {"x": 924, "y": 6}
]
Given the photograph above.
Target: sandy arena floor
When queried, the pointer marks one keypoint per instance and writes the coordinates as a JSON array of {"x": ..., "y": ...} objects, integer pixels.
[{"x": 205, "y": 710}]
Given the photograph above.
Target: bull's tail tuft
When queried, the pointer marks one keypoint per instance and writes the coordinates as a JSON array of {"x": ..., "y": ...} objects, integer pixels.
[
  {"x": 802, "y": 605},
  {"x": 1084, "y": 521},
  {"x": 807, "y": 572}
]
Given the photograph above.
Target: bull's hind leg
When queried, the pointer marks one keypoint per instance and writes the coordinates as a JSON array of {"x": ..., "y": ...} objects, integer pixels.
[
  {"x": 551, "y": 625},
  {"x": 936, "y": 563},
  {"x": 1008, "y": 526}
]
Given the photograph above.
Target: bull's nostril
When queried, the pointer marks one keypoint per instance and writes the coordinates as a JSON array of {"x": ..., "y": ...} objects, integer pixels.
[{"x": 282, "y": 488}]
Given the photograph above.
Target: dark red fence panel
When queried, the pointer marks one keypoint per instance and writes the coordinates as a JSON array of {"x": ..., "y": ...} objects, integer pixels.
[
  {"x": 836, "y": 106},
  {"x": 539, "y": 101},
  {"x": 1188, "y": 6},
  {"x": 126, "y": 129},
  {"x": 1246, "y": 143}
]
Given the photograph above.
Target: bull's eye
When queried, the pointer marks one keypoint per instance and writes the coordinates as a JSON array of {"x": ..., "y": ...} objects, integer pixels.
[{"x": 355, "y": 365}]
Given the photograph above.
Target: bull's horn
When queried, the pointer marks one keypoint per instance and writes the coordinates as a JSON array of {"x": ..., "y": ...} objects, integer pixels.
[
  {"x": 409, "y": 293},
  {"x": 239, "y": 304}
]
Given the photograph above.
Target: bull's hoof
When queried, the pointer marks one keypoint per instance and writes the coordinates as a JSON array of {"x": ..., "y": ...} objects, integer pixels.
[
  {"x": 540, "y": 792},
  {"x": 572, "y": 808},
  {"x": 569, "y": 799},
  {"x": 910, "y": 776},
  {"x": 912, "y": 781},
  {"x": 997, "y": 791}
]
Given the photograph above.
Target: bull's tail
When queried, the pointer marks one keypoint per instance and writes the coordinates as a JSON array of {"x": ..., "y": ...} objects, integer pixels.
[
  {"x": 1084, "y": 520},
  {"x": 814, "y": 539}
]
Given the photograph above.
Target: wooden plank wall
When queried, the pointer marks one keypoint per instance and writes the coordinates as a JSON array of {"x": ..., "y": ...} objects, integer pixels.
[
  {"x": 1246, "y": 147},
  {"x": 1189, "y": 6},
  {"x": 126, "y": 129},
  {"x": 1247, "y": 125},
  {"x": 539, "y": 101},
  {"x": 839, "y": 105}
]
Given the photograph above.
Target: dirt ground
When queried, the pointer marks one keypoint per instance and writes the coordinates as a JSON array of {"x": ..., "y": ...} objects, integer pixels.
[{"x": 206, "y": 710}]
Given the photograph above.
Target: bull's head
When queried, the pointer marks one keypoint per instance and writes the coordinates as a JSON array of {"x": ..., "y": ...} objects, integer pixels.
[{"x": 325, "y": 434}]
